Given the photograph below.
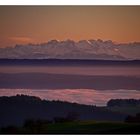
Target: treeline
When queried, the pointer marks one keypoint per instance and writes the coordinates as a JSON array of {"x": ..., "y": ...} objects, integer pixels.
[
  {"x": 123, "y": 102},
  {"x": 133, "y": 119}
]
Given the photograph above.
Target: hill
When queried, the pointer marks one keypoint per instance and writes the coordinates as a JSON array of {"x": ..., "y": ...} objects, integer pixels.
[
  {"x": 15, "y": 110},
  {"x": 124, "y": 102}
]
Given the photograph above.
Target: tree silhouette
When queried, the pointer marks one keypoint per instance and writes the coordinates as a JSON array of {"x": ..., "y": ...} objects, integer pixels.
[{"x": 133, "y": 119}]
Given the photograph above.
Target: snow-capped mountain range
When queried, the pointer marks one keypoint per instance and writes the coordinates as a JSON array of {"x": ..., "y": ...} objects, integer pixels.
[{"x": 69, "y": 49}]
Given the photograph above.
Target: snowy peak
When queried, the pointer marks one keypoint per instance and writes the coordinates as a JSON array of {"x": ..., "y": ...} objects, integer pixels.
[{"x": 69, "y": 49}]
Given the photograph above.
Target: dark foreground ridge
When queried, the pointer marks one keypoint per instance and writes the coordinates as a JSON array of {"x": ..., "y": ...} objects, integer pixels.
[
  {"x": 15, "y": 110},
  {"x": 22, "y": 114},
  {"x": 67, "y": 62}
]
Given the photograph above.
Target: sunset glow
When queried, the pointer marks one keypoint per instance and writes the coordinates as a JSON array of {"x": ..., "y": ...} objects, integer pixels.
[{"x": 31, "y": 24}]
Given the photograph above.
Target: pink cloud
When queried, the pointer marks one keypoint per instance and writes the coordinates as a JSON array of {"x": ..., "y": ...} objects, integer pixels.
[{"x": 82, "y": 96}]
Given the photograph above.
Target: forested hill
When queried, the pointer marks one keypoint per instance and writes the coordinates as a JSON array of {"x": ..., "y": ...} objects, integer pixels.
[
  {"x": 124, "y": 103},
  {"x": 15, "y": 110}
]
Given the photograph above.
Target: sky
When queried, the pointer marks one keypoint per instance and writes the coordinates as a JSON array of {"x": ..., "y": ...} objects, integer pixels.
[{"x": 38, "y": 24}]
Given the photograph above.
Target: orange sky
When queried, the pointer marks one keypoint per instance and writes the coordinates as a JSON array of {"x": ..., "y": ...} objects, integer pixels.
[{"x": 36, "y": 24}]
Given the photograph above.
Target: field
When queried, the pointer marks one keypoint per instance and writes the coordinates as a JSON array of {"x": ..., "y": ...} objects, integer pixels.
[{"x": 77, "y": 127}]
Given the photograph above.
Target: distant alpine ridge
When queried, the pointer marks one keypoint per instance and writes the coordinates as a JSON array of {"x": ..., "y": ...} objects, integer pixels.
[{"x": 69, "y": 49}]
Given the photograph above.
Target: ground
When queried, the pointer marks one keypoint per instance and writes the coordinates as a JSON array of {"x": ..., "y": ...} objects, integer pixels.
[{"x": 77, "y": 127}]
